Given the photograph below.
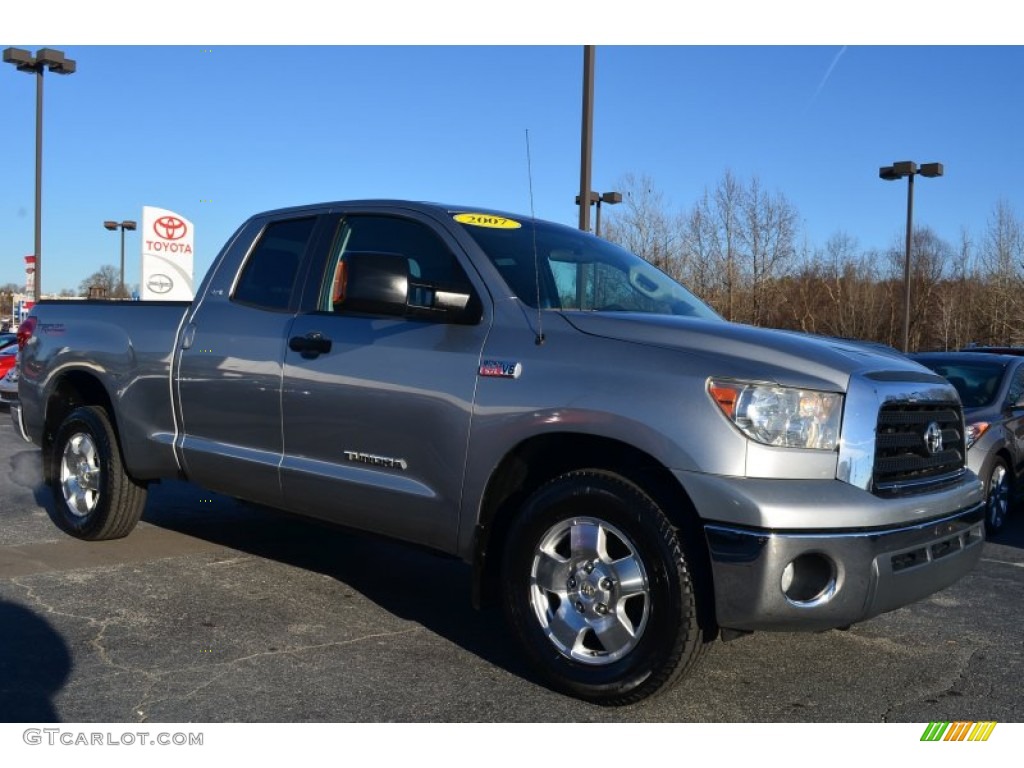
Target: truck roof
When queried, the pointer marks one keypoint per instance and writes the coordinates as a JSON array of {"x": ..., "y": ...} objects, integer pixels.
[{"x": 415, "y": 205}]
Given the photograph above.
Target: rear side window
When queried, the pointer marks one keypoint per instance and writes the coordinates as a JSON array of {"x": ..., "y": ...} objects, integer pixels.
[{"x": 268, "y": 277}]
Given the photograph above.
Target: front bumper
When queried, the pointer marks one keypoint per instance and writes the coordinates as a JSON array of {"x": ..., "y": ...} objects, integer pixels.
[{"x": 771, "y": 580}]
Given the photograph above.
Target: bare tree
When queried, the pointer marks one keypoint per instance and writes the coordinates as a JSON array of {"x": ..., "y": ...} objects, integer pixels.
[
  {"x": 727, "y": 201},
  {"x": 7, "y": 293},
  {"x": 644, "y": 225},
  {"x": 106, "y": 280},
  {"x": 768, "y": 234},
  {"x": 958, "y": 299},
  {"x": 930, "y": 257},
  {"x": 1002, "y": 258},
  {"x": 700, "y": 244},
  {"x": 735, "y": 247}
]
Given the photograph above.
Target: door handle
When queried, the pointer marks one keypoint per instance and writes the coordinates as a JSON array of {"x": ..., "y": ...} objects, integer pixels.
[{"x": 311, "y": 345}]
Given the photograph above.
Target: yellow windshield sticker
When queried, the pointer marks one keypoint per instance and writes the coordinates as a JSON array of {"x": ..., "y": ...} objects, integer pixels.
[{"x": 487, "y": 220}]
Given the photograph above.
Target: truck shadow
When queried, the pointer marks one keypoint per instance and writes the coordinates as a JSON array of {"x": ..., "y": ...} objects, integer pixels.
[
  {"x": 1012, "y": 533},
  {"x": 34, "y": 664},
  {"x": 411, "y": 583}
]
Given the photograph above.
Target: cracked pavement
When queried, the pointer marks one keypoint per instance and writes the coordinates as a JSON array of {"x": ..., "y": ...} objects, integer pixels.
[{"x": 213, "y": 610}]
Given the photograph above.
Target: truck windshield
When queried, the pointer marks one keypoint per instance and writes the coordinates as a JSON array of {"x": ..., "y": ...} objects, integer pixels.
[{"x": 575, "y": 270}]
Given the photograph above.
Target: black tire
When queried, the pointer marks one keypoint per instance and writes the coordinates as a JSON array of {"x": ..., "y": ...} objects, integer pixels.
[
  {"x": 94, "y": 498},
  {"x": 599, "y": 591},
  {"x": 998, "y": 496}
]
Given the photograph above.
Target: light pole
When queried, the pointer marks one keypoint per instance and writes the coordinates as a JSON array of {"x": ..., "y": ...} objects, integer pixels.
[
  {"x": 53, "y": 60},
  {"x": 586, "y": 134},
  {"x": 893, "y": 172},
  {"x": 611, "y": 198},
  {"x": 123, "y": 225}
]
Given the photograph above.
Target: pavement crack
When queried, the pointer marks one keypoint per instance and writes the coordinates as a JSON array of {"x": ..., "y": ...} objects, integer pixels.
[
  {"x": 139, "y": 710},
  {"x": 37, "y": 600},
  {"x": 98, "y": 641},
  {"x": 318, "y": 646},
  {"x": 962, "y": 670}
]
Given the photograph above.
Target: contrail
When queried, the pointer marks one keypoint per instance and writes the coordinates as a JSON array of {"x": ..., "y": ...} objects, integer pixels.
[{"x": 828, "y": 73}]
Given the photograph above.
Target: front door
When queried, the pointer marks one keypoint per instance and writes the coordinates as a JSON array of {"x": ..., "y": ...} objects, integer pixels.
[{"x": 376, "y": 418}]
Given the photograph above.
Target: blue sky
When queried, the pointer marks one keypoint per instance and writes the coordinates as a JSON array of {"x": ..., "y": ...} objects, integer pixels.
[{"x": 217, "y": 132}]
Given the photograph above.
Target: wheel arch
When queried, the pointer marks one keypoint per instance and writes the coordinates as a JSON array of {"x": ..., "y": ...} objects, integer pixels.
[
  {"x": 1003, "y": 454},
  {"x": 71, "y": 390},
  {"x": 539, "y": 459}
]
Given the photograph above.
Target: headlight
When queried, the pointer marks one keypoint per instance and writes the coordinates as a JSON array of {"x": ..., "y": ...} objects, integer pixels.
[
  {"x": 783, "y": 416},
  {"x": 975, "y": 431}
]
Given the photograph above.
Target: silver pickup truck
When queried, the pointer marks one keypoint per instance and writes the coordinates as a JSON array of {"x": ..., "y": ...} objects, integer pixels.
[{"x": 628, "y": 474}]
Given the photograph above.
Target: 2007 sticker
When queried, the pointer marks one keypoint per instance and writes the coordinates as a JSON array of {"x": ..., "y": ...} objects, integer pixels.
[{"x": 487, "y": 220}]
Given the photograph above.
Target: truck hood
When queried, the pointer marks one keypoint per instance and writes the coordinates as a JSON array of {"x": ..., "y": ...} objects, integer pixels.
[{"x": 788, "y": 358}]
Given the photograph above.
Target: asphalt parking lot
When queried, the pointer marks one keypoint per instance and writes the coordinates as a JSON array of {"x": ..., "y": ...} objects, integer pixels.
[{"x": 213, "y": 611}]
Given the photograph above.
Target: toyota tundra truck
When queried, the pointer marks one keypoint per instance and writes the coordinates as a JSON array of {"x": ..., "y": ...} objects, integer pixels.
[{"x": 628, "y": 474}]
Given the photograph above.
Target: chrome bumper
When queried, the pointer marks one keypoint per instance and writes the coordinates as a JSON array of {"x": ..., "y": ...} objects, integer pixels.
[{"x": 766, "y": 580}]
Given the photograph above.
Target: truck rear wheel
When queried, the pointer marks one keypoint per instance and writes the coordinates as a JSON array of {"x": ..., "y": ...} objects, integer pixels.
[
  {"x": 95, "y": 499},
  {"x": 599, "y": 591}
]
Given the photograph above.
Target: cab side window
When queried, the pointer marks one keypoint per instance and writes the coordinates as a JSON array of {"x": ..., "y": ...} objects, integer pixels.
[
  {"x": 268, "y": 277},
  {"x": 430, "y": 260}
]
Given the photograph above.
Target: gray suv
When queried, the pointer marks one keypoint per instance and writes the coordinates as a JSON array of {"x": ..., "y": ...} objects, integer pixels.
[{"x": 991, "y": 387}]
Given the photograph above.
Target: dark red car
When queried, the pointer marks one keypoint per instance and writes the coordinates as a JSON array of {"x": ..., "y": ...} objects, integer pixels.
[{"x": 8, "y": 356}]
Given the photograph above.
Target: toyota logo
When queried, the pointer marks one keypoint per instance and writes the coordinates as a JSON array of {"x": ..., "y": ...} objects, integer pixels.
[
  {"x": 159, "y": 283},
  {"x": 170, "y": 228},
  {"x": 933, "y": 438}
]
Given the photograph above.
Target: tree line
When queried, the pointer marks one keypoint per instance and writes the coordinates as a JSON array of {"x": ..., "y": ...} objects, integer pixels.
[{"x": 739, "y": 248}]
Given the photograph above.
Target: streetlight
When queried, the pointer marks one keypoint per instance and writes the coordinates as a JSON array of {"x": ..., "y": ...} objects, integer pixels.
[
  {"x": 612, "y": 198},
  {"x": 113, "y": 226},
  {"x": 586, "y": 134},
  {"x": 893, "y": 172},
  {"x": 53, "y": 60}
]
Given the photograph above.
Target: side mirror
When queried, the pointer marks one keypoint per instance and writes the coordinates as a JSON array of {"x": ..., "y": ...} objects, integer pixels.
[
  {"x": 432, "y": 302},
  {"x": 376, "y": 283},
  {"x": 379, "y": 284}
]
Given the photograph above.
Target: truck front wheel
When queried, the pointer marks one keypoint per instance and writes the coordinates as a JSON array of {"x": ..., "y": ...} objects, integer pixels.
[
  {"x": 599, "y": 591},
  {"x": 94, "y": 497}
]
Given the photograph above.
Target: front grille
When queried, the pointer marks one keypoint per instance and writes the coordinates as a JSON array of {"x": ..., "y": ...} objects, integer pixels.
[{"x": 905, "y": 462}]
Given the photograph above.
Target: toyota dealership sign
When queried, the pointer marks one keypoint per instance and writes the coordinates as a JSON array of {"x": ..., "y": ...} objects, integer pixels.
[{"x": 168, "y": 242}]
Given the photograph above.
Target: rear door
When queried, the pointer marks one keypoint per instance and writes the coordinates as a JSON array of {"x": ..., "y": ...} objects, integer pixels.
[
  {"x": 376, "y": 424},
  {"x": 229, "y": 382}
]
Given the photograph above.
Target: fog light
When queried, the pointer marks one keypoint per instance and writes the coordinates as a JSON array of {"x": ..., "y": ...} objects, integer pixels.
[{"x": 809, "y": 580}]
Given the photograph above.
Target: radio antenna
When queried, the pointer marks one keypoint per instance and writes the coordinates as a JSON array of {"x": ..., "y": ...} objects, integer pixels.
[{"x": 539, "y": 339}]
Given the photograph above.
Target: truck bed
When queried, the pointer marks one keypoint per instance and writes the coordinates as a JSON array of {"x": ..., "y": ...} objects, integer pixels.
[{"x": 129, "y": 346}]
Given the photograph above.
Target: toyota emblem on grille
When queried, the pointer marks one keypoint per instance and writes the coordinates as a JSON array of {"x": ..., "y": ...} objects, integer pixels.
[{"x": 933, "y": 438}]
